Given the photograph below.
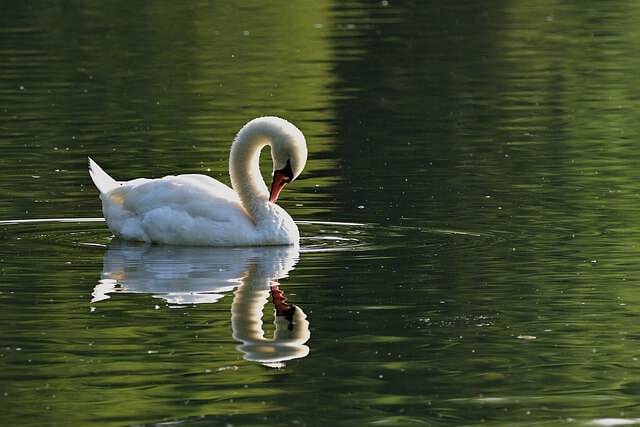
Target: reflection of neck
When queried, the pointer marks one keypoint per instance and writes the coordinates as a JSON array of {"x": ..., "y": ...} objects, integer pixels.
[{"x": 246, "y": 321}]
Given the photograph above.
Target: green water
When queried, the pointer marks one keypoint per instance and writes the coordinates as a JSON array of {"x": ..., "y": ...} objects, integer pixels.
[{"x": 469, "y": 214}]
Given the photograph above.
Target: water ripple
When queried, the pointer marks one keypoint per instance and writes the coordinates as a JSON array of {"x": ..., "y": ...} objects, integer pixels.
[{"x": 317, "y": 236}]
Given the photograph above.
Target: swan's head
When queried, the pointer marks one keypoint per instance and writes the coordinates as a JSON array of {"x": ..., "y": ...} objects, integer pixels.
[{"x": 289, "y": 155}]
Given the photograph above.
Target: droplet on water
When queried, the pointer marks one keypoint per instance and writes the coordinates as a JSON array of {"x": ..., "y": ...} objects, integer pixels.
[{"x": 526, "y": 337}]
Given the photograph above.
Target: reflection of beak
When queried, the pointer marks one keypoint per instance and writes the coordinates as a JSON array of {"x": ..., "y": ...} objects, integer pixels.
[
  {"x": 279, "y": 181},
  {"x": 283, "y": 308}
]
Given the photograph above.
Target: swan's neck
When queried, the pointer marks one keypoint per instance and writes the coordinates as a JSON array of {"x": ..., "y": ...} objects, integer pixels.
[{"x": 244, "y": 169}]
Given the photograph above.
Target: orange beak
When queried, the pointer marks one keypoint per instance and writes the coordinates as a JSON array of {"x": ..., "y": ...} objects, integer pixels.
[{"x": 279, "y": 181}]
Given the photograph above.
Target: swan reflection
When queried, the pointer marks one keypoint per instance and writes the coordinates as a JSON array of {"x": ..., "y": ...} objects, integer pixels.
[{"x": 196, "y": 275}]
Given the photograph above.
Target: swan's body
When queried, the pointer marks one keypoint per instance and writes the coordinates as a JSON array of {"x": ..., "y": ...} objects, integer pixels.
[{"x": 199, "y": 210}]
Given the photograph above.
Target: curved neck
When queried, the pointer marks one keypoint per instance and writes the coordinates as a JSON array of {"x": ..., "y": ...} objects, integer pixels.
[{"x": 244, "y": 170}]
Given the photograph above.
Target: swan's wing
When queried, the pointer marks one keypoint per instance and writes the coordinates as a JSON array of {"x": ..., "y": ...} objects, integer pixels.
[
  {"x": 192, "y": 195},
  {"x": 210, "y": 185},
  {"x": 183, "y": 209}
]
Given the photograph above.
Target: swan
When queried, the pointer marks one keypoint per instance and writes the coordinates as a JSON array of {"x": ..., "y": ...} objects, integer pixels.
[{"x": 199, "y": 210}]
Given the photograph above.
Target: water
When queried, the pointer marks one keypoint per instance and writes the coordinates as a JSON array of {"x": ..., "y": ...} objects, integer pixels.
[{"x": 468, "y": 214}]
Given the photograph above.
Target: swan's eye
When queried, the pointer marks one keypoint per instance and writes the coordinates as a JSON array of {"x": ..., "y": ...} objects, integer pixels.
[{"x": 287, "y": 171}]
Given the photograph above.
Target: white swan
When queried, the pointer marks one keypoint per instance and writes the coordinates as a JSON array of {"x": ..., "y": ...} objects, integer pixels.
[{"x": 199, "y": 210}]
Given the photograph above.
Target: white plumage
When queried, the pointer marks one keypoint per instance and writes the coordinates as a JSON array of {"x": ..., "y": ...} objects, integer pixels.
[{"x": 199, "y": 210}]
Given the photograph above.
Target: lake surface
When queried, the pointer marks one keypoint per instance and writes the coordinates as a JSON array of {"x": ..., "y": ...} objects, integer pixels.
[{"x": 469, "y": 214}]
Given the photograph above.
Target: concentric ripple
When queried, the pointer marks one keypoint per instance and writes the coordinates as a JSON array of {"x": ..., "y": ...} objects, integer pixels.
[{"x": 317, "y": 236}]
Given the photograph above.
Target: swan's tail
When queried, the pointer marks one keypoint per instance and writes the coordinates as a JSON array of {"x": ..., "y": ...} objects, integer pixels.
[{"x": 100, "y": 178}]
